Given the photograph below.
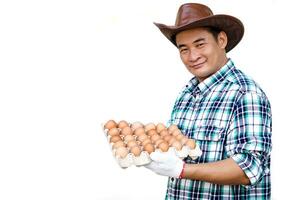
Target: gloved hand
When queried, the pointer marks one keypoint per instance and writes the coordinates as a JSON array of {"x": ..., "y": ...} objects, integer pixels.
[{"x": 166, "y": 164}]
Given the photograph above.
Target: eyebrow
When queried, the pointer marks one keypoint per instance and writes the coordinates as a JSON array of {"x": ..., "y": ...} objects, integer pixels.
[{"x": 197, "y": 40}]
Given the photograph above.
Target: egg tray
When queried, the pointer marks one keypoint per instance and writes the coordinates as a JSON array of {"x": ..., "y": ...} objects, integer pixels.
[{"x": 144, "y": 157}]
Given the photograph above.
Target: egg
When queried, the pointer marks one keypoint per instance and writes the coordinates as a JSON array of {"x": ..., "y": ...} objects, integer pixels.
[
  {"x": 172, "y": 140},
  {"x": 152, "y": 132},
  {"x": 167, "y": 138},
  {"x": 135, "y": 150},
  {"x": 118, "y": 144},
  {"x": 172, "y": 128},
  {"x": 113, "y": 131},
  {"x": 146, "y": 142},
  {"x": 157, "y": 142},
  {"x": 142, "y": 137},
  {"x": 176, "y": 132},
  {"x": 136, "y": 125},
  {"x": 128, "y": 138},
  {"x": 154, "y": 138},
  {"x": 183, "y": 140},
  {"x": 121, "y": 152},
  {"x": 122, "y": 124},
  {"x": 191, "y": 143},
  {"x": 164, "y": 133},
  {"x": 132, "y": 143},
  {"x": 149, "y": 126},
  {"x": 149, "y": 148},
  {"x": 110, "y": 124},
  {"x": 177, "y": 145},
  {"x": 115, "y": 138},
  {"x": 163, "y": 146},
  {"x": 139, "y": 131},
  {"x": 160, "y": 127},
  {"x": 126, "y": 131},
  {"x": 179, "y": 137}
]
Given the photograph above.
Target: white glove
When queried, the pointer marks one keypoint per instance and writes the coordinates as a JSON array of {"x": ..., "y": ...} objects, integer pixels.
[{"x": 166, "y": 164}]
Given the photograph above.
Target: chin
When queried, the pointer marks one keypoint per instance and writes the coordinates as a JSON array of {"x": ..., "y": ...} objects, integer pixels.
[{"x": 200, "y": 72}]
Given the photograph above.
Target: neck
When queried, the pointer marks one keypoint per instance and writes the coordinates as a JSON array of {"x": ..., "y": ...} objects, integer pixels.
[{"x": 220, "y": 64}]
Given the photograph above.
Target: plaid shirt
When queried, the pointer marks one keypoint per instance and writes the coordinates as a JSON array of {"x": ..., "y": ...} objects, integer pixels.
[{"x": 229, "y": 116}]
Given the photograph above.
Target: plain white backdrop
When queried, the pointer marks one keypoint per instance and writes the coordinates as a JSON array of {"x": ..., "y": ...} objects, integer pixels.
[{"x": 68, "y": 66}]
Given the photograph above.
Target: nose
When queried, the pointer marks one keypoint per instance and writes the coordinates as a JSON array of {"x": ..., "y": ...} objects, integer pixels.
[{"x": 194, "y": 55}]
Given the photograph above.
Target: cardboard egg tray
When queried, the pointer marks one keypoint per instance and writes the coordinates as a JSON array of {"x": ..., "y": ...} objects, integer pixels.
[{"x": 144, "y": 157}]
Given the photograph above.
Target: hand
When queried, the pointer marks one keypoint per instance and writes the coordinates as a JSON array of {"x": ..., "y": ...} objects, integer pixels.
[{"x": 166, "y": 164}]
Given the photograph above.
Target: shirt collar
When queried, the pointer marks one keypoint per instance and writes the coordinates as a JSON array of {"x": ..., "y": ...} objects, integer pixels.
[{"x": 195, "y": 87}]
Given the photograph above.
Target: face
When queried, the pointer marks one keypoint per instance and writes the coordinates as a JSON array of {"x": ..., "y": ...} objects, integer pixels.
[{"x": 200, "y": 52}]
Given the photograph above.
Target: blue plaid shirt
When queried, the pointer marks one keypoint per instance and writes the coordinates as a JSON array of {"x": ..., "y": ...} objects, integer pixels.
[{"x": 229, "y": 116}]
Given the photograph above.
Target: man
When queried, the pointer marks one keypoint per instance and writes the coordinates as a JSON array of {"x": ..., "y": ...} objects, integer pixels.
[{"x": 224, "y": 110}]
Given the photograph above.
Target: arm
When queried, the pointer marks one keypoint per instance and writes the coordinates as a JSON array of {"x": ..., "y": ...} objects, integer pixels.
[
  {"x": 224, "y": 172},
  {"x": 248, "y": 147}
]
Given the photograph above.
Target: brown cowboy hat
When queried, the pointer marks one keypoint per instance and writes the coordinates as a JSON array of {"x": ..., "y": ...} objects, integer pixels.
[{"x": 193, "y": 15}]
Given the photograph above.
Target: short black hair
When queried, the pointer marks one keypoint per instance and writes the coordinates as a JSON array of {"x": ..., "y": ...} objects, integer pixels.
[{"x": 214, "y": 31}]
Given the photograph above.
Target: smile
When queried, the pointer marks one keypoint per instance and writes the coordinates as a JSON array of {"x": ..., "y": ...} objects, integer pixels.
[{"x": 197, "y": 66}]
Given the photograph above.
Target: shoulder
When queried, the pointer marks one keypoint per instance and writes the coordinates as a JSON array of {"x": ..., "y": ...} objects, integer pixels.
[
  {"x": 250, "y": 94},
  {"x": 245, "y": 84}
]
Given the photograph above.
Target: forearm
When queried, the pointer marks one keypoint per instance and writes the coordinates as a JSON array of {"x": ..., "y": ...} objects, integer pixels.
[{"x": 225, "y": 172}]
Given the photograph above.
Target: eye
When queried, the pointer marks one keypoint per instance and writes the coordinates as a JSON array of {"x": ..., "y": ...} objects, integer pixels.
[
  {"x": 183, "y": 50},
  {"x": 198, "y": 45}
]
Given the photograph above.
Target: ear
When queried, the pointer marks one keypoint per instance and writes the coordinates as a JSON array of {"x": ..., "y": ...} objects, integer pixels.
[{"x": 222, "y": 40}]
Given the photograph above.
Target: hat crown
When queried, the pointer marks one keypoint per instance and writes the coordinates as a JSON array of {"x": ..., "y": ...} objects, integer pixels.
[{"x": 191, "y": 12}]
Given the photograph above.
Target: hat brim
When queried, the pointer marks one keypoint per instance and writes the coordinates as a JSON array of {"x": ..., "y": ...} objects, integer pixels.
[{"x": 232, "y": 26}]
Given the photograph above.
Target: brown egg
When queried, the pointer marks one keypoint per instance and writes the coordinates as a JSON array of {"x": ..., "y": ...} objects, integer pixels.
[
  {"x": 154, "y": 138},
  {"x": 132, "y": 143},
  {"x": 160, "y": 127},
  {"x": 115, "y": 138},
  {"x": 176, "y": 132},
  {"x": 139, "y": 131},
  {"x": 172, "y": 140},
  {"x": 135, "y": 150},
  {"x": 128, "y": 138},
  {"x": 149, "y": 126},
  {"x": 110, "y": 124},
  {"x": 121, "y": 152},
  {"x": 122, "y": 124},
  {"x": 157, "y": 142},
  {"x": 113, "y": 131},
  {"x": 152, "y": 132},
  {"x": 167, "y": 138},
  {"x": 177, "y": 145},
  {"x": 142, "y": 137},
  {"x": 164, "y": 133},
  {"x": 146, "y": 142},
  {"x": 191, "y": 143},
  {"x": 164, "y": 146},
  {"x": 136, "y": 125},
  {"x": 126, "y": 131},
  {"x": 149, "y": 148},
  {"x": 183, "y": 140},
  {"x": 172, "y": 128},
  {"x": 118, "y": 144},
  {"x": 179, "y": 137}
]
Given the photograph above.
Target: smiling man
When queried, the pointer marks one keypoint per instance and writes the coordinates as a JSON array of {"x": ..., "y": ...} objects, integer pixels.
[
  {"x": 223, "y": 109},
  {"x": 202, "y": 54}
]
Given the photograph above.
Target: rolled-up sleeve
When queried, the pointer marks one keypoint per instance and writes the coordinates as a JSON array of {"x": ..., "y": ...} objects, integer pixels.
[{"x": 249, "y": 136}]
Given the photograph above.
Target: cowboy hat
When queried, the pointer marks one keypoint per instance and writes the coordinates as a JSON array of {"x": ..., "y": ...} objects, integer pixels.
[{"x": 193, "y": 15}]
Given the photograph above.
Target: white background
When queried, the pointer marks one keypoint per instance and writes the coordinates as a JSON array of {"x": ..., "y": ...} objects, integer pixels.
[{"x": 68, "y": 66}]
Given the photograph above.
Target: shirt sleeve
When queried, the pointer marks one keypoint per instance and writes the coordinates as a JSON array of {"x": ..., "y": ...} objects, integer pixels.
[{"x": 249, "y": 137}]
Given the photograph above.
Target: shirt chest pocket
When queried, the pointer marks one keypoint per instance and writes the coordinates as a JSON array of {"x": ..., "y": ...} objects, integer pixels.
[{"x": 211, "y": 140}]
